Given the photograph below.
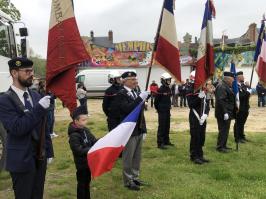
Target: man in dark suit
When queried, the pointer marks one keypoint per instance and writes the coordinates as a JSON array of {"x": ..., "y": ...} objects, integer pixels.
[
  {"x": 242, "y": 114},
  {"x": 224, "y": 110},
  {"x": 126, "y": 100},
  {"x": 21, "y": 112}
]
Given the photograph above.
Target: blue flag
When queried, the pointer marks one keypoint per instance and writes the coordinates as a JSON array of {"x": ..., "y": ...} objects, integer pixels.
[
  {"x": 235, "y": 85},
  {"x": 259, "y": 42}
]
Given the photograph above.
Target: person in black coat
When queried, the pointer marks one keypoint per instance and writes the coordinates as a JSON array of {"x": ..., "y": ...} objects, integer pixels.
[
  {"x": 126, "y": 100},
  {"x": 22, "y": 112},
  {"x": 261, "y": 91},
  {"x": 80, "y": 141},
  {"x": 243, "y": 112},
  {"x": 114, "y": 78},
  {"x": 162, "y": 104},
  {"x": 225, "y": 110},
  {"x": 199, "y": 110}
]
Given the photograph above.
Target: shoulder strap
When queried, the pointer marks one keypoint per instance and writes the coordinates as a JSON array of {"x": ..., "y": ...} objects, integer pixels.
[{"x": 15, "y": 100}]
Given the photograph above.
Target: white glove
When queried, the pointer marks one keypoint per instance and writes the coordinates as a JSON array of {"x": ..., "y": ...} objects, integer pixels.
[
  {"x": 45, "y": 102},
  {"x": 203, "y": 118},
  {"x": 49, "y": 160},
  {"x": 226, "y": 116},
  {"x": 144, "y": 136},
  {"x": 249, "y": 90},
  {"x": 144, "y": 95},
  {"x": 202, "y": 94}
]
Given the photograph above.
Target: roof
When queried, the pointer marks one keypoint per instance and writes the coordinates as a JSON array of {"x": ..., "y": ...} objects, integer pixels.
[{"x": 103, "y": 42}]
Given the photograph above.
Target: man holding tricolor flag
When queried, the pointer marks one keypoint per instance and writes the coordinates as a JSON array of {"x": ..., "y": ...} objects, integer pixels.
[
  {"x": 205, "y": 61},
  {"x": 65, "y": 51},
  {"x": 126, "y": 137}
]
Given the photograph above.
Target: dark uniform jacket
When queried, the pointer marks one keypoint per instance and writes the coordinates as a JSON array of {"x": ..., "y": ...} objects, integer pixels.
[
  {"x": 163, "y": 99},
  {"x": 243, "y": 97},
  {"x": 196, "y": 103},
  {"x": 225, "y": 101},
  {"x": 108, "y": 100},
  {"x": 80, "y": 140},
  {"x": 23, "y": 131},
  {"x": 124, "y": 104}
]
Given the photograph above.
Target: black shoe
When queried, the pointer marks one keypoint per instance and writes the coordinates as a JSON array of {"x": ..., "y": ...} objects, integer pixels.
[
  {"x": 169, "y": 144},
  {"x": 228, "y": 148},
  {"x": 132, "y": 186},
  {"x": 163, "y": 147},
  {"x": 139, "y": 183},
  {"x": 222, "y": 150},
  {"x": 204, "y": 160},
  {"x": 198, "y": 161}
]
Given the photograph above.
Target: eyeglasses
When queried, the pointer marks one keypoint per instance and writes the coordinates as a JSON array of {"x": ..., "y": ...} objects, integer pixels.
[{"x": 27, "y": 71}]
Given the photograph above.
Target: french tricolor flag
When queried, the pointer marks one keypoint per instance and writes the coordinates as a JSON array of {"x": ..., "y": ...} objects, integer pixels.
[
  {"x": 261, "y": 63},
  {"x": 166, "y": 44},
  {"x": 103, "y": 154},
  {"x": 205, "y": 60}
]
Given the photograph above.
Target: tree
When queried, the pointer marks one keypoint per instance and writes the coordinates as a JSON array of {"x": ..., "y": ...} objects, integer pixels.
[{"x": 10, "y": 9}]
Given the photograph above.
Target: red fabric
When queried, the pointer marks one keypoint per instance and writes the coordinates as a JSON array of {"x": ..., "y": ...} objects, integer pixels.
[
  {"x": 65, "y": 51},
  {"x": 153, "y": 88},
  {"x": 168, "y": 56},
  {"x": 262, "y": 70},
  {"x": 204, "y": 68},
  {"x": 103, "y": 160}
]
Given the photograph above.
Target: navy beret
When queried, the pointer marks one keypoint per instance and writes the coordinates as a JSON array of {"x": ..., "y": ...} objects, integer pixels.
[
  {"x": 81, "y": 110},
  {"x": 128, "y": 74},
  {"x": 239, "y": 73},
  {"x": 228, "y": 74},
  {"x": 20, "y": 62}
]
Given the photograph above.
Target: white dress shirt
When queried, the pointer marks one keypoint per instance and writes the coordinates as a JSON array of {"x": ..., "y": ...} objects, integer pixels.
[{"x": 20, "y": 93}]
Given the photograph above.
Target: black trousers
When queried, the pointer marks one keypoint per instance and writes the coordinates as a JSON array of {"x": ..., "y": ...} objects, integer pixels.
[
  {"x": 239, "y": 125},
  {"x": 210, "y": 101},
  {"x": 83, "y": 102},
  {"x": 163, "y": 128},
  {"x": 223, "y": 127},
  {"x": 83, "y": 186},
  {"x": 197, "y": 139},
  {"x": 183, "y": 99},
  {"x": 152, "y": 100},
  {"x": 30, "y": 185}
]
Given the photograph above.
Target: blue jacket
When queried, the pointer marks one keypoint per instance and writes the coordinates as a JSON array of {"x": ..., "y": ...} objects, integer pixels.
[{"x": 20, "y": 125}]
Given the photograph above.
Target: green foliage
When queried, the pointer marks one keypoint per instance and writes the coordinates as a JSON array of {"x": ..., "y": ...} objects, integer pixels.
[
  {"x": 39, "y": 66},
  {"x": 10, "y": 9},
  {"x": 235, "y": 50}
]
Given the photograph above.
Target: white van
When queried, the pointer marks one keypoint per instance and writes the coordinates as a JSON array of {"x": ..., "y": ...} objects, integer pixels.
[{"x": 96, "y": 80}]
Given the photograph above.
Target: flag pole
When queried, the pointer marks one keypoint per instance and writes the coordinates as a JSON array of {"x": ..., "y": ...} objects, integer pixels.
[
  {"x": 251, "y": 78},
  {"x": 154, "y": 47}
]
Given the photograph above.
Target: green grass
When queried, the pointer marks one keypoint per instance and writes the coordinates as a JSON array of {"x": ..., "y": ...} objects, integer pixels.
[{"x": 170, "y": 174}]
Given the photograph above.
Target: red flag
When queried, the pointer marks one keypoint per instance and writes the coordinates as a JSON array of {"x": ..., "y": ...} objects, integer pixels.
[
  {"x": 65, "y": 50},
  {"x": 261, "y": 63},
  {"x": 205, "y": 61},
  {"x": 166, "y": 45}
]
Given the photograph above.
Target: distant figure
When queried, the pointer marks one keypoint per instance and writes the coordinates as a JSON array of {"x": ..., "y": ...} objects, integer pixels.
[
  {"x": 82, "y": 95},
  {"x": 153, "y": 89},
  {"x": 210, "y": 93},
  {"x": 261, "y": 91},
  {"x": 175, "y": 93},
  {"x": 182, "y": 92}
]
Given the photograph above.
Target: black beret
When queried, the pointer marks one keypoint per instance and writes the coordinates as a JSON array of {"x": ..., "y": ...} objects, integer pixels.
[
  {"x": 239, "y": 73},
  {"x": 81, "y": 110},
  {"x": 228, "y": 74},
  {"x": 128, "y": 74},
  {"x": 20, "y": 62}
]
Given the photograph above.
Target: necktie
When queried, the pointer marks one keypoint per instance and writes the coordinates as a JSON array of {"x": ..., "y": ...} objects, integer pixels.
[
  {"x": 134, "y": 94},
  {"x": 27, "y": 101}
]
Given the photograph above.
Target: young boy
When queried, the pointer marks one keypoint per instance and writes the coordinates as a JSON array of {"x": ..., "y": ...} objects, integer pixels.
[{"x": 81, "y": 140}]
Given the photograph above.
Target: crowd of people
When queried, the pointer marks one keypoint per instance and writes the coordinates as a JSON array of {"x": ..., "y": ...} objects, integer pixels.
[{"x": 29, "y": 145}]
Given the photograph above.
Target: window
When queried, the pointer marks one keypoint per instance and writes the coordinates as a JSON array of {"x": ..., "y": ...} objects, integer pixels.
[
  {"x": 80, "y": 79},
  {"x": 7, "y": 40}
]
